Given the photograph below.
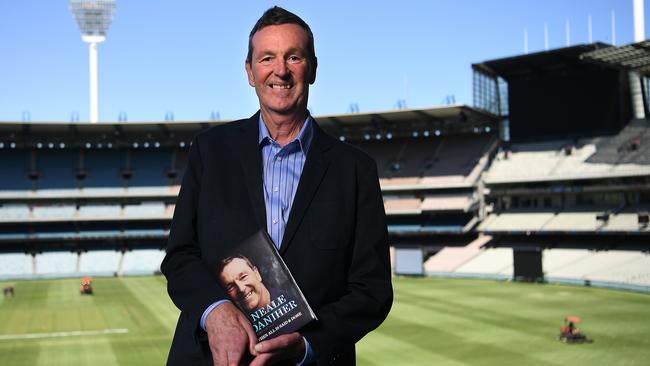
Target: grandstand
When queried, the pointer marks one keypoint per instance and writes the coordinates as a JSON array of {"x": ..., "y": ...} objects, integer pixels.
[
  {"x": 485, "y": 191},
  {"x": 574, "y": 208},
  {"x": 98, "y": 199}
]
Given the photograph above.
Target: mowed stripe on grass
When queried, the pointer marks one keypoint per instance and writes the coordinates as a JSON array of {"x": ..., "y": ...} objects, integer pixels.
[
  {"x": 56, "y": 306},
  {"x": 433, "y": 321},
  {"x": 479, "y": 322},
  {"x": 79, "y": 333}
]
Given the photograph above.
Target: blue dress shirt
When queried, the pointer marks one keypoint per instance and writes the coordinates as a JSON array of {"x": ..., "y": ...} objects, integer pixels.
[{"x": 281, "y": 170}]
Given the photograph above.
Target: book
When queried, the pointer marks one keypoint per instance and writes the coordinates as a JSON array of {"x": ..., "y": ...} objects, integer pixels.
[{"x": 258, "y": 281}]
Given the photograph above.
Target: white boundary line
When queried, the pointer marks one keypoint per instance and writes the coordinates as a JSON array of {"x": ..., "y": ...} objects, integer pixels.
[{"x": 78, "y": 333}]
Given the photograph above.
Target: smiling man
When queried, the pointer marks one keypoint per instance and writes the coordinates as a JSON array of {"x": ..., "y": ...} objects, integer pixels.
[
  {"x": 318, "y": 199},
  {"x": 281, "y": 73},
  {"x": 243, "y": 283}
]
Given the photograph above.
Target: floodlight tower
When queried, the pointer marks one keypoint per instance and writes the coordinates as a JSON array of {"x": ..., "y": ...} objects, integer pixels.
[{"x": 93, "y": 17}]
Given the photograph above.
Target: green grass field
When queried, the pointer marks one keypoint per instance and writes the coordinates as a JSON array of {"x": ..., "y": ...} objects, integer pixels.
[{"x": 129, "y": 321}]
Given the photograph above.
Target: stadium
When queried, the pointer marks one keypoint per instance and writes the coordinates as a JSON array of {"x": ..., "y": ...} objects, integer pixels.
[{"x": 504, "y": 217}]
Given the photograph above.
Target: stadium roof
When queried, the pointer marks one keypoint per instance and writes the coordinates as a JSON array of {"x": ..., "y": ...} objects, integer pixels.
[
  {"x": 631, "y": 57},
  {"x": 538, "y": 63},
  {"x": 448, "y": 119},
  {"x": 355, "y": 126}
]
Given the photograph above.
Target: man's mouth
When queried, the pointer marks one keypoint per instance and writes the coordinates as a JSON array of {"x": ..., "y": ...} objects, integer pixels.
[
  {"x": 247, "y": 295},
  {"x": 281, "y": 86}
]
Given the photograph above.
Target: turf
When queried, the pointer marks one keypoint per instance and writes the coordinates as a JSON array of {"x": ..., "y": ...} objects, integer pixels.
[{"x": 433, "y": 321}]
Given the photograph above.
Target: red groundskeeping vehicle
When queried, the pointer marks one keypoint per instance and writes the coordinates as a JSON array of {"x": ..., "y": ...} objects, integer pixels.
[
  {"x": 569, "y": 333},
  {"x": 86, "y": 287}
]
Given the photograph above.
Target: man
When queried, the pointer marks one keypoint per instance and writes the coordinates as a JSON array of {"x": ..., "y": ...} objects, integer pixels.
[
  {"x": 243, "y": 283},
  {"x": 318, "y": 198}
]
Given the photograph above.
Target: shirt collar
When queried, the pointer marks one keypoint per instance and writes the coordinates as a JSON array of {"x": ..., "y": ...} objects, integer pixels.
[{"x": 304, "y": 138}]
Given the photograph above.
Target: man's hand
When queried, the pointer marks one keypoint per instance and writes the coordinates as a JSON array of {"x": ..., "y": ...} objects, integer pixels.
[
  {"x": 229, "y": 335},
  {"x": 289, "y": 346}
]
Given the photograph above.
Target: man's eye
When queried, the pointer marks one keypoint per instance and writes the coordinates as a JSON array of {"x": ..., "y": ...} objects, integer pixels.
[
  {"x": 265, "y": 60},
  {"x": 295, "y": 59},
  {"x": 243, "y": 277},
  {"x": 230, "y": 288}
]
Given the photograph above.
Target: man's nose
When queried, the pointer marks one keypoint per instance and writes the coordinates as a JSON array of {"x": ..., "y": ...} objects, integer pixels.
[
  {"x": 240, "y": 286},
  {"x": 280, "y": 68}
]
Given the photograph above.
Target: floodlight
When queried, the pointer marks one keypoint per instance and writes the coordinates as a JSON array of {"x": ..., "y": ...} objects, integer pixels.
[{"x": 93, "y": 17}]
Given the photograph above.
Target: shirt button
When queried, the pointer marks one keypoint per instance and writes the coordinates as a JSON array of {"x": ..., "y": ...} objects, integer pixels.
[
  {"x": 279, "y": 158},
  {"x": 275, "y": 221},
  {"x": 276, "y": 188}
]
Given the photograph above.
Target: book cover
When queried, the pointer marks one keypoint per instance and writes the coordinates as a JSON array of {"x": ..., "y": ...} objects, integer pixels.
[{"x": 258, "y": 281}]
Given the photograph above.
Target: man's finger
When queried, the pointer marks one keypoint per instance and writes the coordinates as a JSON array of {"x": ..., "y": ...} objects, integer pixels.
[
  {"x": 263, "y": 359},
  {"x": 233, "y": 358},
  {"x": 252, "y": 337},
  {"x": 279, "y": 343}
]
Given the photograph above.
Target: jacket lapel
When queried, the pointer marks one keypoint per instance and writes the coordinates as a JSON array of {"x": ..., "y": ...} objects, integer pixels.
[
  {"x": 251, "y": 160},
  {"x": 310, "y": 179}
]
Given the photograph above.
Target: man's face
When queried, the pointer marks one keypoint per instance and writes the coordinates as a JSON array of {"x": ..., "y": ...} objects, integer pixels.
[
  {"x": 280, "y": 69},
  {"x": 243, "y": 284}
]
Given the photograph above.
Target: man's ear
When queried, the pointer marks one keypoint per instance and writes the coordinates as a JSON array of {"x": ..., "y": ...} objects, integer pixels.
[
  {"x": 312, "y": 77},
  {"x": 249, "y": 73}
]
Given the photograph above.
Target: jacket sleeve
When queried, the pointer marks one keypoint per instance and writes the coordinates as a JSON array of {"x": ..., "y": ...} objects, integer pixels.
[
  {"x": 369, "y": 294},
  {"x": 190, "y": 284}
]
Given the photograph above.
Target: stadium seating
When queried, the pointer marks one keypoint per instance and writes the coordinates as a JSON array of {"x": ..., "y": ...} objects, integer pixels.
[
  {"x": 400, "y": 206},
  {"x": 446, "y": 202},
  {"x": 145, "y": 209},
  {"x": 15, "y": 165},
  {"x": 56, "y": 263},
  {"x": 99, "y": 262},
  {"x": 449, "y": 259},
  {"x": 71, "y": 264},
  {"x": 633, "y": 270},
  {"x": 624, "y": 267},
  {"x": 143, "y": 261},
  {"x": 625, "y": 221},
  {"x": 100, "y": 211},
  {"x": 524, "y": 162},
  {"x": 15, "y": 265},
  {"x": 458, "y": 155},
  {"x": 629, "y": 267},
  {"x": 555, "y": 260},
  {"x": 57, "y": 168},
  {"x": 11, "y": 212},
  {"x": 630, "y": 146},
  {"x": 400, "y": 183},
  {"x": 491, "y": 261},
  {"x": 572, "y": 221},
  {"x": 104, "y": 168},
  {"x": 624, "y": 154},
  {"x": 516, "y": 221},
  {"x": 441, "y": 202},
  {"x": 562, "y": 221},
  {"x": 54, "y": 211},
  {"x": 149, "y": 168},
  {"x": 432, "y": 162}
]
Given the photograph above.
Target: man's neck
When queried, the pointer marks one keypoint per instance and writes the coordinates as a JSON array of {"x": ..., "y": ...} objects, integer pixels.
[{"x": 284, "y": 128}]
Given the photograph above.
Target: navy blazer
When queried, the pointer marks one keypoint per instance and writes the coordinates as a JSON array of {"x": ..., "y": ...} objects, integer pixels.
[{"x": 335, "y": 242}]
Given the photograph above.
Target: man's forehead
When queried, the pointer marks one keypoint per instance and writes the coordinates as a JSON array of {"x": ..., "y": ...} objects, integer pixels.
[
  {"x": 272, "y": 35},
  {"x": 238, "y": 263}
]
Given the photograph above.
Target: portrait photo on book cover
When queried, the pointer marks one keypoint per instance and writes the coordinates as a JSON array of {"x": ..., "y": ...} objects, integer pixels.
[{"x": 257, "y": 282}]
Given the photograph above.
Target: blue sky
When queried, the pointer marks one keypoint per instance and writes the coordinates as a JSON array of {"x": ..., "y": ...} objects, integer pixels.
[{"x": 186, "y": 57}]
